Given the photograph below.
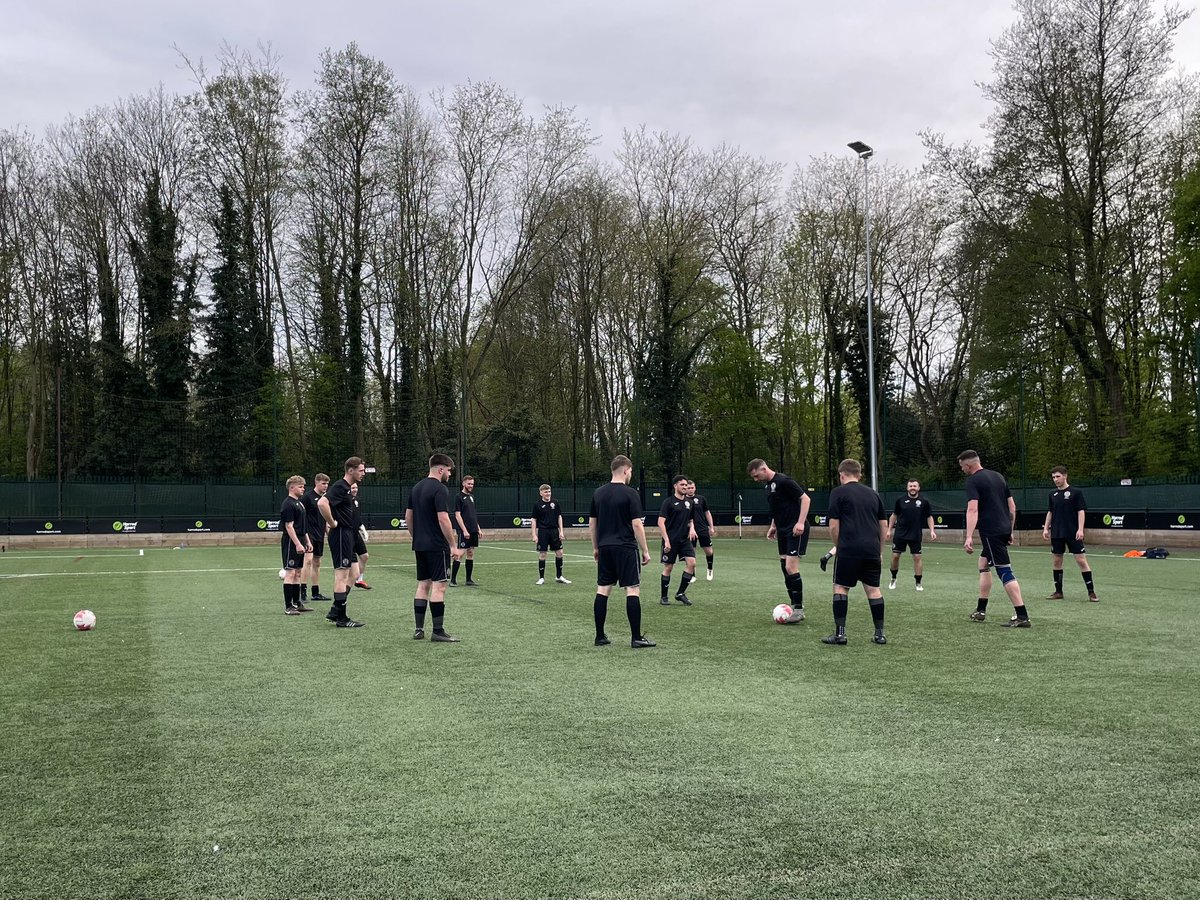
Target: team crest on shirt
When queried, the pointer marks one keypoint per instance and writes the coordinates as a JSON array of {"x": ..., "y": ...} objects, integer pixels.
[
  {"x": 552, "y": 506},
  {"x": 1066, "y": 495},
  {"x": 687, "y": 504}
]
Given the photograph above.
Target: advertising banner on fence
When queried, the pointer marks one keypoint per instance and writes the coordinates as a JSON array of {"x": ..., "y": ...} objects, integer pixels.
[
  {"x": 47, "y": 526},
  {"x": 1114, "y": 519},
  {"x": 197, "y": 524}
]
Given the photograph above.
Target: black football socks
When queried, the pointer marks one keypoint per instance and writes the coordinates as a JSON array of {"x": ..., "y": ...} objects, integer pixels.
[
  {"x": 419, "y": 607},
  {"x": 795, "y": 589},
  {"x": 438, "y": 611},
  {"x": 558, "y": 561},
  {"x": 1087, "y": 579},
  {"x": 877, "y": 614},
  {"x": 633, "y": 611},
  {"x": 454, "y": 571},
  {"x": 541, "y": 568},
  {"x": 1058, "y": 581},
  {"x": 600, "y": 613},
  {"x": 841, "y": 604}
]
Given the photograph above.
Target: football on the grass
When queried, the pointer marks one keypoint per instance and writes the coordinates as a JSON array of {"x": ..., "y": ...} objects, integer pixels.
[
  {"x": 85, "y": 620},
  {"x": 781, "y": 613}
]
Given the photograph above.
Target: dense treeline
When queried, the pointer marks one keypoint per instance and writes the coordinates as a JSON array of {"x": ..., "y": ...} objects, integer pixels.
[{"x": 252, "y": 279}]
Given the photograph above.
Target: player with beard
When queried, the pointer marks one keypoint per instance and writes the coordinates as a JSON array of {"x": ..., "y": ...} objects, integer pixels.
[
  {"x": 466, "y": 529},
  {"x": 905, "y": 529}
]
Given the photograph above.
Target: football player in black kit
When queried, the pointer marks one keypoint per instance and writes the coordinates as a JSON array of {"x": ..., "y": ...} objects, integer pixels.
[
  {"x": 912, "y": 512},
  {"x": 337, "y": 508},
  {"x": 1064, "y": 530},
  {"x": 293, "y": 543},
  {"x": 316, "y": 534},
  {"x": 466, "y": 529},
  {"x": 788, "y": 504},
  {"x": 618, "y": 537},
  {"x": 546, "y": 529},
  {"x": 677, "y": 527},
  {"x": 428, "y": 521},
  {"x": 991, "y": 507},
  {"x": 705, "y": 529},
  {"x": 857, "y": 524}
]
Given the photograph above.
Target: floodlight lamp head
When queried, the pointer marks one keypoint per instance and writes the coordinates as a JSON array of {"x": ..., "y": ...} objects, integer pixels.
[{"x": 863, "y": 151}]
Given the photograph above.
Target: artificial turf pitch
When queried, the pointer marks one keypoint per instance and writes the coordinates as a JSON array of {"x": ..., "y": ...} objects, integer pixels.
[{"x": 199, "y": 743}]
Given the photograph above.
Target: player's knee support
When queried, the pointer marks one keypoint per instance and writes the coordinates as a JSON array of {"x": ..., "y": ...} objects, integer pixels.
[{"x": 1006, "y": 574}]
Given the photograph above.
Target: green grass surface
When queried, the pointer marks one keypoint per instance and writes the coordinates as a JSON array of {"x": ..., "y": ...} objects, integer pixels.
[{"x": 199, "y": 743}]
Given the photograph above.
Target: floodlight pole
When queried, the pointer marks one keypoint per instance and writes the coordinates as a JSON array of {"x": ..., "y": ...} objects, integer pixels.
[{"x": 865, "y": 153}]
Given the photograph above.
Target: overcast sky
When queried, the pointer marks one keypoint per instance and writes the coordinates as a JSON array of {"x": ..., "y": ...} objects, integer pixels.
[{"x": 784, "y": 79}]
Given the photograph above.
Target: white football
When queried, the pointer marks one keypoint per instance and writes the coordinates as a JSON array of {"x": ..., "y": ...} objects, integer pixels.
[
  {"x": 85, "y": 620},
  {"x": 282, "y": 574},
  {"x": 781, "y": 613}
]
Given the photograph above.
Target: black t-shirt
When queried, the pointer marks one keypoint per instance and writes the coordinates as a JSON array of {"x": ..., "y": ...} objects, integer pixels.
[
  {"x": 783, "y": 499},
  {"x": 1064, "y": 512},
  {"x": 546, "y": 513},
  {"x": 292, "y": 511},
  {"x": 426, "y": 499},
  {"x": 911, "y": 516},
  {"x": 465, "y": 504},
  {"x": 614, "y": 507},
  {"x": 678, "y": 516},
  {"x": 991, "y": 490},
  {"x": 699, "y": 511},
  {"x": 859, "y": 510},
  {"x": 341, "y": 504},
  {"x": 312, "y": 515}
]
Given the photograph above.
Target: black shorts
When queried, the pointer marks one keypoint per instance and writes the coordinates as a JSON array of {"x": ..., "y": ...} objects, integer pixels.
[
  {"x": 791, "y": 545},
  {"x": 679, "y": 550},
  {"x": 360, "y": 546},
  {"x": 703, "y": 539},
  {"x": 467, "y": 541},
  {"x": 994, "y": 548},
  {"x": 341, "y": 547},
  {"x": 318, "y": 542},
  {"x": 432, "y": 565},
  {"x": 849, "y": 572},
  {"x": 1060, "y": 545},
  {"x": 292, "y": 558},
  {"x": 548, "y": 539},
  {"x": 900, "y": 544},
  {"x": 619, "y": 565}
]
